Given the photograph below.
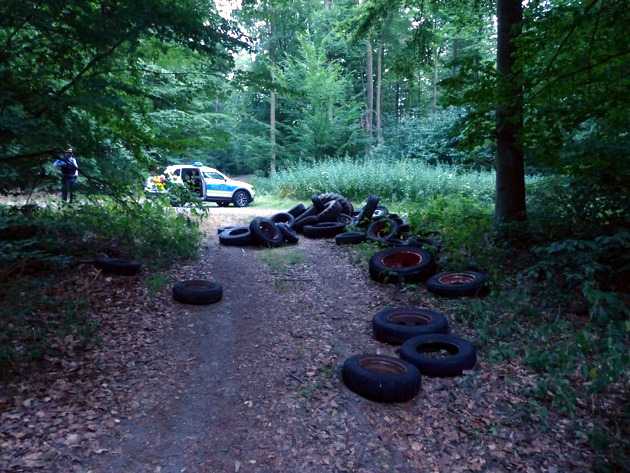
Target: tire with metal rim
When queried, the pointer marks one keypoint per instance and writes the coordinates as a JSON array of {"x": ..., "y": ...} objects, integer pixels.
[
  {"x": 401, "y": 264},
  {"x": 462, "y": 284},
  {"x": 287, "y": 232},
  {"x": 382, "y": 230},
  {"x": 241, "y": 198},
  {"x": 380, "y": 212},
  {"x": 117, "y": 266},
  {"x": 265, "y": 232},
  {"x": 381, "y": 378},
  {"x": 197, "y": 292},
  {"x": 350, "y": 238},
  {"x": 439, "y": 355},
  {"x": 236, "y": 236},
  {"x": 323, "y": 230},
  {"x": 397, "y": 325},
  {"x": 283, "y": 217},
  {"x": 297, "y": 210}
]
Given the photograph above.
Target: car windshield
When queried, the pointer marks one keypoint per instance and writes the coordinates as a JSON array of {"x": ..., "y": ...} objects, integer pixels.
[{"x": 213, "y": 175}]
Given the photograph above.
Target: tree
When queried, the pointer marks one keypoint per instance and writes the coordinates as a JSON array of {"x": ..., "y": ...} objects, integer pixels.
[{"x": 510, "y": 167}]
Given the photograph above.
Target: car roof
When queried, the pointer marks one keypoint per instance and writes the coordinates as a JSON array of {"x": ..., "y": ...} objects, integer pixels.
[{"x": 192, "y": 166}]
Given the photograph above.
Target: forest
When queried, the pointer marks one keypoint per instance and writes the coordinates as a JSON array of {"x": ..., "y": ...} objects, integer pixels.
[{"x": 501, "y": 125}]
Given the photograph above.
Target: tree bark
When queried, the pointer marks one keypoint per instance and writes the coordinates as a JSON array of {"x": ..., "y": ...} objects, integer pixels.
[
  {"x": 434, "y": 80},
  {"x": 369, "y": 90},
  {"x": 272, "y": 131},
  {"x": 397, "y": 102},
  {"x": 379, "y": 96},
  {"x": 510, "y": 167}
]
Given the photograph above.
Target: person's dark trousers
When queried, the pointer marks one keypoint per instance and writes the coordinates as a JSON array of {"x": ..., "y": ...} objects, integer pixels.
[{"x": 67, "y": 183}]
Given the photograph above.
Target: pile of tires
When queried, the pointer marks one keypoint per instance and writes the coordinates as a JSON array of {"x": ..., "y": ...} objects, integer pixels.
[
  {"x": 328, "y": 216},
  {"x": 427, "y": 349}
]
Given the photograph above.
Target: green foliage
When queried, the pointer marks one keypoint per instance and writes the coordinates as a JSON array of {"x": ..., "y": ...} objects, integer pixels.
[
  {"x": 463, "y": 223},
  {"x": 395, "y": 179}
]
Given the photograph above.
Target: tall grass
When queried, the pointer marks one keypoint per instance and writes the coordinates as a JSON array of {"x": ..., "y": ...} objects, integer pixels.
[{"x": 392, "y": 179}]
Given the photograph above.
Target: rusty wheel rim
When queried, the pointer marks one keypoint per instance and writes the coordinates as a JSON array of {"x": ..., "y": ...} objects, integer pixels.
[
  {"x": 402, "y": 259},
  {"x": 379, "y": 364},
  {"x": 410, "y": 320},
  {"x": 457, "y": 279}
]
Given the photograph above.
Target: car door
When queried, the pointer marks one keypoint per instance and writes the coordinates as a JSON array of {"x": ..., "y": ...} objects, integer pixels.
[{"x": 217, "y": 186}]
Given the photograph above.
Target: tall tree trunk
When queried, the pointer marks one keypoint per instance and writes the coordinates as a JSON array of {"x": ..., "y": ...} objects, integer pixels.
[
  {"x": 379, "y": 93},
  {"x": 369, "y": 90},
  {"x": 272, "y": 131},
  {"x": 397, "y": 102},
  {"x": 510, "y": 167},
  {"x": 434, "y": 80}
]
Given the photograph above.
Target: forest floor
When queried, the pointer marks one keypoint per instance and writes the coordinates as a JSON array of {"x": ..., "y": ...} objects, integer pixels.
[{"x": 252, "y": 384}]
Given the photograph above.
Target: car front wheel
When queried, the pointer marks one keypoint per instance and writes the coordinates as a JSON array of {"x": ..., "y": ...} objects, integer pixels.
[{"x": 241, "y": 198}]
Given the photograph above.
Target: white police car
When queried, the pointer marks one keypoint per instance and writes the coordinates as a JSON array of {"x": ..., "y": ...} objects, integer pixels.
[{"x": 210, "y": 184}]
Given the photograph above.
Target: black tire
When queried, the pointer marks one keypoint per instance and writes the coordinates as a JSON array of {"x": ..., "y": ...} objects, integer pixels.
[
  {"x": 380, "y": 212},
  {"x": 462, "y": 354},
  {"x": 323, "y": 230},
  {"x": 382, "y": 230},
  {"x": 299, "y": 224},
  {"x": 197, "y": 292},
  {"x": 317, "y": 202},
  {"x": 330, "y": 213},
  {"x": 223, "y": 203},
  {"x": 236, "y": 236},
  {"x": 401, "y": 264},
  {"x": 309, "y": 212},
  {"x": 241, "y": 198},
  {"x": 222, "y": 229},
  {"x": 289, "y": 235},
  {"x": 350, "y": 238},
  {"x": 297, "y": 210},
  {"x": 345, "y": 219},
  {"x": 346, "y": 205},
  {"x": 265, "y": 232},
  {"x": 397, "y": 325},
  {"x": 365, "y": 216},
  {"x": 118, "y": 267},
  {"x": 381, "y": 378},
  {"x": 402, "y": 227},
  {"x": 463, "y": 284},
  {"x": 283, "y": 217}
]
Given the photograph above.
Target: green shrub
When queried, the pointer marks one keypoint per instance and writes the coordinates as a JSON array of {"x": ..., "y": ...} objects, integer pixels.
[{"x": 463, "y": 223}]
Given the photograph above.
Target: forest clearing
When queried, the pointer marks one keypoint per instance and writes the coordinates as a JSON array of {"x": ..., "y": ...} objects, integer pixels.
[{"x": 314, "y": 235}]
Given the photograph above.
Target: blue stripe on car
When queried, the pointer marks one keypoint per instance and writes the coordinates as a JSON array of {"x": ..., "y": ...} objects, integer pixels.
[{"x": 221, "y": 187}]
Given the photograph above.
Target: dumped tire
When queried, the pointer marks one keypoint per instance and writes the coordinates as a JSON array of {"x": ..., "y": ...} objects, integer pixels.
[
  {"x": 345, "y": 219},
  {"x": 283, "y": 217},
  {"x": 297, "y": 210},
  {"x": 381, "y": 378},
  {"x": 222, "y": 229},
  {"x": 346, "y": 205},
  {"x": 330, "y": 213},
  {"x": 382, "y": 230},
  {"x": 289, "y": 235},
  {"x": 299, "y": 224},
  {"x": 463, "y": 284},
  {"x": 236, "y": 236},
  {"x": 309, "y": 212},
  {"x": 401, "y": 264},
  {"x": 323, "y": 230},
  {"x": 397, "y": 325},
  {"x": 197, "y": 292},
  {"x": 380, "y": 212},
  {"x": 350, "y": 238},
  {"x": 265, "y": 232},
  {"x": 119, "y": 267},
  {"x": 460, "y": 355},
  {"x": 365, "y": 216}
]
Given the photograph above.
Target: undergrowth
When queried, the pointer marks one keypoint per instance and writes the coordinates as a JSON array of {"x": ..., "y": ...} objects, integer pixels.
[{"x": 41, "y": 248}]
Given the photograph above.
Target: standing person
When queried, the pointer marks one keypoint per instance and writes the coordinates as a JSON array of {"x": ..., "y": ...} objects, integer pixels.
[{"x": 67, "y": 163}]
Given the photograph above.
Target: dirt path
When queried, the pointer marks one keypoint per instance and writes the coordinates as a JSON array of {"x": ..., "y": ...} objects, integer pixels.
[{"x": 252, "y": 383}]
